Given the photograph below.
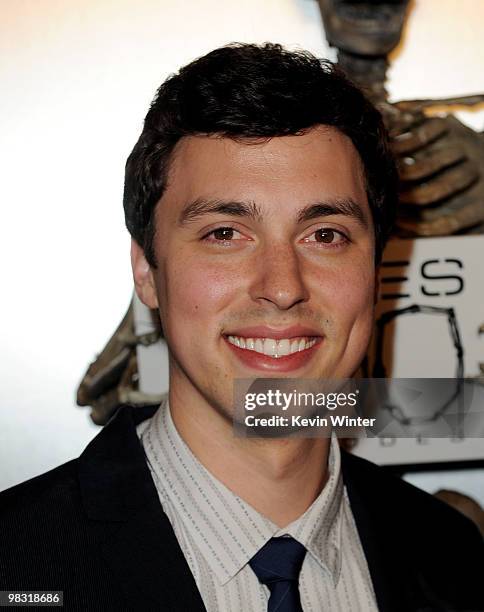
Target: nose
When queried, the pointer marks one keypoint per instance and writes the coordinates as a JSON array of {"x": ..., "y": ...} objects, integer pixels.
[{"x": 277, "y": 277}]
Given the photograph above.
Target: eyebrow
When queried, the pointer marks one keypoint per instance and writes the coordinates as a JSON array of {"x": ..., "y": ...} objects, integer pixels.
[
  {"x": 200, "y": 207},
  {"x": 339, "y": 206}
]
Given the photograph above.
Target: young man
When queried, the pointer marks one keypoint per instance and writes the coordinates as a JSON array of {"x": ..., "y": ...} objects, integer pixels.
[{"x": 259, "y": 197}]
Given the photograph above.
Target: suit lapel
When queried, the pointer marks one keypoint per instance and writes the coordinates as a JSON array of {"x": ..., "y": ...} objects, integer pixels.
[
  {"x": 388, "y": 553},
  {"x": 145, "y": 554},
  {"x": 137, "y": 542}
]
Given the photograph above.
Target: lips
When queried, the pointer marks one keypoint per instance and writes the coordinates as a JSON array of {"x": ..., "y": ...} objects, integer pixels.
[
  {"x": 270, "y": 349},
  {"x": 266, "y": 331}
]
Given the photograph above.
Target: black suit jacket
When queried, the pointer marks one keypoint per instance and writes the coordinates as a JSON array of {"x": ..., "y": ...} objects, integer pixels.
[{"x": 94, "y": 528}]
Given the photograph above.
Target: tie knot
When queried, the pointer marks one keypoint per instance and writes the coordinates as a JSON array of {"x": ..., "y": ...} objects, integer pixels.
[{"x": 279, "y": 559}]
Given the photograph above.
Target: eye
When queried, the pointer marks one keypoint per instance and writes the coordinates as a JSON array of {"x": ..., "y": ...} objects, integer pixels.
[
  {"x": 223, "y": 234},
  {"x": 327, "y": 235}
]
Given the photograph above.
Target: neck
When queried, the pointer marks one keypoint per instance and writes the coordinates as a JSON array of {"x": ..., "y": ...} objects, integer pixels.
[{"x": 280, "y": 478}]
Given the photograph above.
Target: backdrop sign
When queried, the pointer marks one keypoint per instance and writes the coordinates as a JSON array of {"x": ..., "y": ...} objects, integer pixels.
[{"x": 427, "y": 326}]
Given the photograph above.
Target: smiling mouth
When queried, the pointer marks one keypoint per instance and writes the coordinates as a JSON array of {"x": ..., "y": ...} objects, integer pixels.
[{"x": 273, "y": 348}]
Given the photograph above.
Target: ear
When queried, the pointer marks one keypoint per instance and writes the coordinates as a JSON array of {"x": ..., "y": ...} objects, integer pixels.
[
  {"x": 376, "y": 295},
  {"x": 143, "y": 276}
]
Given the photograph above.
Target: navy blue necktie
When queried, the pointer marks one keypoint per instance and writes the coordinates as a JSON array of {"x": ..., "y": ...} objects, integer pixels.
[{"x": 277, "y": 565}]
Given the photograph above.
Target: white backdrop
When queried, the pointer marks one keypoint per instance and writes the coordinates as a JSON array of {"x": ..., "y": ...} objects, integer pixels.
[{"x": 76, "y": 79}]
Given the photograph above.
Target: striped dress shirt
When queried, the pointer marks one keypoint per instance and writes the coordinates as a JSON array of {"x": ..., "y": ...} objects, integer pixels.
[{"x": 219, "y": 532}]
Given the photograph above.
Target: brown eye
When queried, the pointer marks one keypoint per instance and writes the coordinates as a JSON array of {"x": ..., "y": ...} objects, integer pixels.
[
  {"x": 324, "y": 235},
  {"x": 328, "y": 236},
  {"x": 223, "y": 233}
]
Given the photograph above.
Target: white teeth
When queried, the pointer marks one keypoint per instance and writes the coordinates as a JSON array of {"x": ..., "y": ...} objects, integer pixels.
[
  {"x": 271, "y": 347},
  {"x": 283, "y": 347}
]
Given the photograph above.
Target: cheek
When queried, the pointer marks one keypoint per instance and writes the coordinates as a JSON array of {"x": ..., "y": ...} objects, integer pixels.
[
  {"x": 349, "y": 320},
  {"x": 348, "y": 296},
  {"x": 197, "y": 290},
  {"x": 356, "y": 292},
  {"x": 356, "y": 319}
]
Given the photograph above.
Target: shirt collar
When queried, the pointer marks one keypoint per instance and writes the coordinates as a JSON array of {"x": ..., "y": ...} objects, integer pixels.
[
  {"x": 226, "y": 529},
  {"x": 319, "y": 528}
]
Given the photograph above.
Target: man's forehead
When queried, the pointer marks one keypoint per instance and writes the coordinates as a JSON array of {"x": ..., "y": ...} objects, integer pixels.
[
  {"x": 320, "y": 140},
  {"x": 318, "y": 164}
]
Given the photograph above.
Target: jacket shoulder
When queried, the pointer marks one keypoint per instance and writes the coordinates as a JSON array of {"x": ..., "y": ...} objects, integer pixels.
[
  {"x": 42, "y": 516},
  {"x": 443, "y": 548},
  {"x": 47, "y": 542},
  {"x": 57, "y": 486},
  {"x": 399, "y": 500}
]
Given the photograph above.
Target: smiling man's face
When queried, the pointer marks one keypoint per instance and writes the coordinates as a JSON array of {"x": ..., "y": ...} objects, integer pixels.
[{"x": 265, "y": 257}]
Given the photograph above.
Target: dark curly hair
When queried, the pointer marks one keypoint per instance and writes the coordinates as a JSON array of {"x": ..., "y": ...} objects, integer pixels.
[{"x": 249, "y": 91}]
